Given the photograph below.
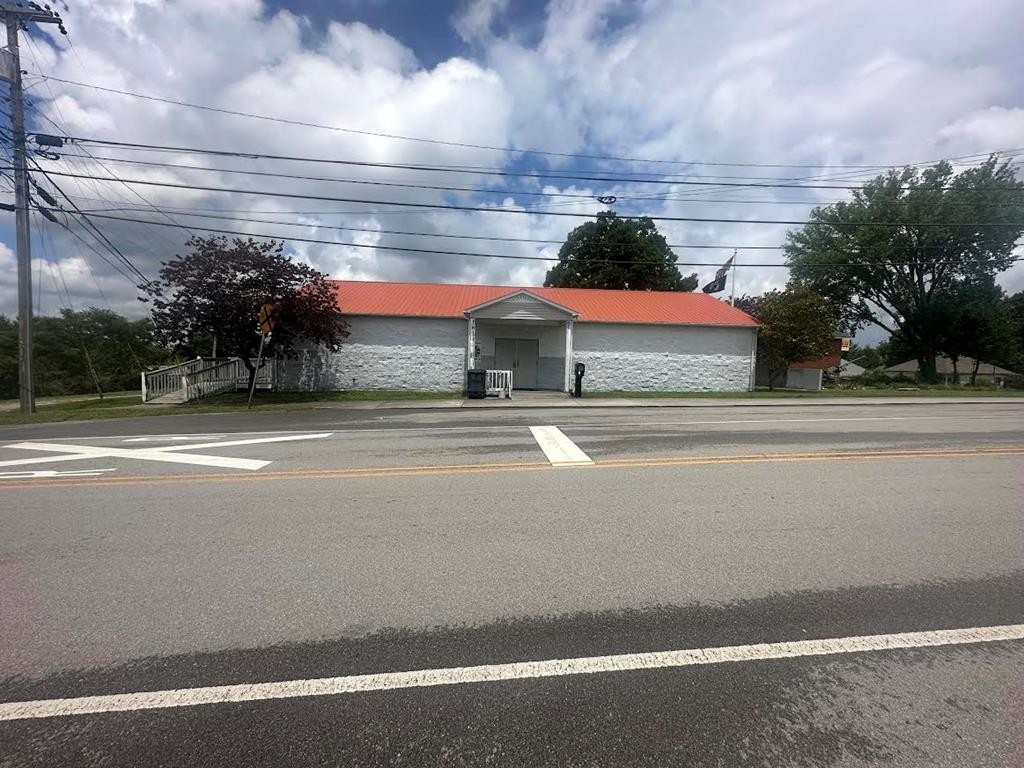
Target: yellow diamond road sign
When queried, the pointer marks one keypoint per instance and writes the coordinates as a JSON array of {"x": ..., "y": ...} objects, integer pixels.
[{"x": 266, "y": 318}]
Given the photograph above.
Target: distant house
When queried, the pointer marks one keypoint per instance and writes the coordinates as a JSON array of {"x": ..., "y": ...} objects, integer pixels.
[
  {"x": 944, "y": 368},
  {"x": 850, "y": 370}
]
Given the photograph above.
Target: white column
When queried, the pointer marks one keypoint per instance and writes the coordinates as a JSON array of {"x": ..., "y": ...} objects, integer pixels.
[
  {"x": 753, "y": 361},
  {"x": 471, "y": 344},
  {"x": 568, "y": 355}
]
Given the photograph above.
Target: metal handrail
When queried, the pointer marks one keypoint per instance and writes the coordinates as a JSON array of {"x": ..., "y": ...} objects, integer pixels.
[
  {"x": 203, "y": 377},
  {"x": 209, "y": 381},
  {"x": 172, "y": 366},
  {"x": 165, "y": 380}
]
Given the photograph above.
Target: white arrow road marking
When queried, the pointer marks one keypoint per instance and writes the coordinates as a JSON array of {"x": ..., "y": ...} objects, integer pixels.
[
  {"x": 170, "y": 454},
  {"x": 170, "y": 438},
  {"x": 560, "y": 450},
  {"x": 43, "y": 473},
  {"x": 77, "y": 452},
  {"x": 247, "y": 441}
]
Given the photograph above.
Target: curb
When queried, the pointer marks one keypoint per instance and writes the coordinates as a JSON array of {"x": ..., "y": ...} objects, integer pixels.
[{"x": 654, "y": 403}]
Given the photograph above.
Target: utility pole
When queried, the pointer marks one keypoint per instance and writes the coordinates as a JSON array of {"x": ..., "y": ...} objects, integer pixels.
[{"x": 16, "y": 17}]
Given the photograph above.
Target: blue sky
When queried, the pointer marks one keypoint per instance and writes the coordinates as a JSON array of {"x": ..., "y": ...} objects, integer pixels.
[
  {"x": 426, "y": 27},
  {"x": 692, "y": 84}
]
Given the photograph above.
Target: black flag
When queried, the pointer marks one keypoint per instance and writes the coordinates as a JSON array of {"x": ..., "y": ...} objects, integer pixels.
[
  {"x": 718, "y": 284},
  {"x": 715, "y": 286}
]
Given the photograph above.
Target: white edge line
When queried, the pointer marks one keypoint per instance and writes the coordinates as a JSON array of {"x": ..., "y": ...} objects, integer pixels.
[{"x": 330, "y": 686}]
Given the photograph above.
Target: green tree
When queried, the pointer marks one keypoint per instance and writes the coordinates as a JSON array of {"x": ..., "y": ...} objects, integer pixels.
[
  {"x": 796, "y": 324},
  {"x": 8, "y": 358},
  {"x": 92, "y": 350},
  {"x": 979, "y": 325},
  {"x": 627, "y": 254},
  {"x": 1015, "y": 307},
  {"x": 867, "y": 356},
  {"x": 892, "y": 253},
  {"x": 219, "y": 287}
]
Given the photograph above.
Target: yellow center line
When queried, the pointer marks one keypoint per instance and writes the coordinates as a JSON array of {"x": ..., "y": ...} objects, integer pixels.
[{"x": 456, "y": 469}]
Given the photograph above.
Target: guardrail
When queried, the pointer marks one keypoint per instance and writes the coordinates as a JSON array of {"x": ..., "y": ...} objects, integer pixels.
[{"x": 499, "y": 383}]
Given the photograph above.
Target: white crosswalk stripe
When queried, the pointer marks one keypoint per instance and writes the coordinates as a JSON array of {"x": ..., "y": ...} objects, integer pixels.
[{"x": 560, "y": 450}]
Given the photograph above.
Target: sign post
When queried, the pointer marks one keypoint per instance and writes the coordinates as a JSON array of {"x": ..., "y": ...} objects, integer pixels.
[{"x": 266, "y": 321}]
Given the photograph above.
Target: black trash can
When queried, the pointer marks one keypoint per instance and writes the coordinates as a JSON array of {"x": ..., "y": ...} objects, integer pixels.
[
  {"x": 476, "y": 383},
  {"x": 579, "y": 369}
]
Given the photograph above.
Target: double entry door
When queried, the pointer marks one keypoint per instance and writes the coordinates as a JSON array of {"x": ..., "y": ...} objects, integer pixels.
[{"x": 519, "y": 356}]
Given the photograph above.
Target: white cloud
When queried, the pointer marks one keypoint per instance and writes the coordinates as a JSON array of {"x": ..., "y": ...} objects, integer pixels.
[
  {"x": 792, "y": 82},
  {"x": 473, "y": 22},
  {"x": 788, "y": 82},
  {"x": 365, "y": 48}
]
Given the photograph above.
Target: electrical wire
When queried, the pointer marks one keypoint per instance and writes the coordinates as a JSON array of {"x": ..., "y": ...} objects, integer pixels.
[
  {"x": 239, "y": 233},
  {"x": 401, "y": 184},
  {"x": 485, "y": 209},
  {"x": 311, "y": 225},
  {"x": 538, "y": 175},
  {"x": 53, "y": 99},
  {"x": 102, "y": 237},
  {"x": 405, "y": 185},
  {"x": 465, "y": 145}
]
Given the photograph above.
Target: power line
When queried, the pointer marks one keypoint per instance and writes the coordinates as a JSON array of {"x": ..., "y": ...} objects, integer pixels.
[
  {"x": 370, "y": 230},
  {"x": 113, "y": 264},
  {"x": 96, "y": 230},
  {"x": 408, "y": 185},
  {"x": 537, "y": 175},
  {"x": 485, "y": 209},
  {"x": 102, "y": 239},
  {"x": 177, "y": 209},
  {"x": 856, "y": 176},
  {"x": 417, "y": 233},
  {"x": 464, "y": 145},
  {"x": 182, "y": 210},
  {"x": 483, "y": 255},
  {"x": 610, "y": 176},
  {"x": 412, "y": 234},
  {"x": 44, "y": 116}
]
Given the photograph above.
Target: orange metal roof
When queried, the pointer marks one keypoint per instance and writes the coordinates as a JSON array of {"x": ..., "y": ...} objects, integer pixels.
[
  {"x": 356, "y": 297},
  {"x": 831, "y": 360}
]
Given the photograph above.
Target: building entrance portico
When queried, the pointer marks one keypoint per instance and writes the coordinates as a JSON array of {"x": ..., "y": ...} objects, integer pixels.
[{"x": 522, "y": 333}]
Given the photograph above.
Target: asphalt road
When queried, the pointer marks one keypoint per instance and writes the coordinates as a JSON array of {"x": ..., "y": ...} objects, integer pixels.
[{"x": 328, "y": 544}]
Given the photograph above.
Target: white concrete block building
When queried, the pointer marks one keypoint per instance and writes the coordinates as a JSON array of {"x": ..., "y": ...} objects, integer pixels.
[{"x": 424, "y": 336}]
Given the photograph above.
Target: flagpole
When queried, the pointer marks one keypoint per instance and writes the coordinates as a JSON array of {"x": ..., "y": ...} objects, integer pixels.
[{"x": 732, "y": 301}]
